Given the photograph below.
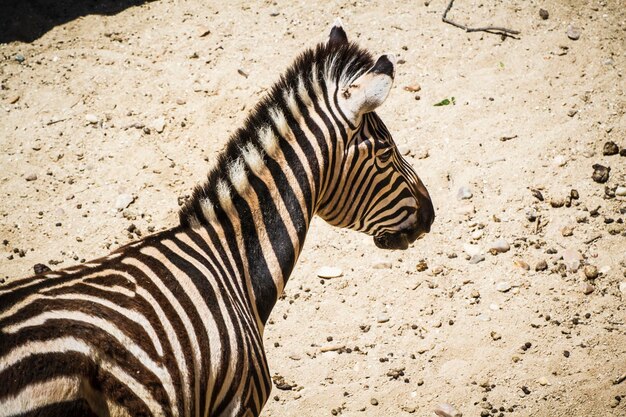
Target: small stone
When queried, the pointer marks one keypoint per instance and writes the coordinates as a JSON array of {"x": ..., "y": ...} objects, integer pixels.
[
  {"x": 383, "y": 318},
  {"x": 91, "y": 118},
  {"x": 382, "y": 265},
  {"x": 447, "y": 410},
  {"x": 374, "y": 401},
  {"x": 123, "y": 200},
  {"x": 503, "y": 286},
  {"x": 329, "y": 272},
  {"x": 567, "y": 231},
  {"x": 591, "y": 272},
  {"x": 19, "y": 58},
  {"x": 574, "y": 194},
  {"x": 572, "y": 112},
  {"x": 477, "y": 258},
  {"x": 566, "y": 353},
  {"x": 421, "y": 266},
  {"x": 464, "y": 193},
  {"x": 181, "y": 101},
  {"x": 587, "y": 288},
  {"x": 622, "y": 287},
  {"x": 572, "y": 259},
  {"x": 573, "y": 32},
  {"x": 537, "y": 194},
  {"x": 557, "y": 202},
  {"x": 544, "y": 14},
  {"x": 541, "y": 265},
  {"x": 496, "y": 336},
  {"x": 610, "y": 148},
  {"x": 620, "y": 191},
  {"x": 13, "y": 99},
  {"x": 472, "y": 250},
  {"x": 477, "y": 234},
  {"x": 543, "y": 381},
  {"x": 600, "y": 173},
  {"x": 521, "y": 264},
  {"x": 31, "y": 177},
  {"x": 159, "y": 124},
  {"x": 414, "y": 88},
  {"x": 475, "y": 294},
  {"x": 622, "y": 152},
  {"x": 531, "y": 215},
  {"x": 499, "y": 246}
]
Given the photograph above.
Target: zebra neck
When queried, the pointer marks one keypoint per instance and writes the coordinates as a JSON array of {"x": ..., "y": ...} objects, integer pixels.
[{"x": 257, "y": 216}]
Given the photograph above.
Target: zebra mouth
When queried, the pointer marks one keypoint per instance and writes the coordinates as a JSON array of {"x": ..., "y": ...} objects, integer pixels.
[{"x": 398, "y": 240}]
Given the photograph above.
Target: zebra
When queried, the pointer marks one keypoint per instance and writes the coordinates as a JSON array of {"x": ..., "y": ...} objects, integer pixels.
[{"x": 172, "y": 325}]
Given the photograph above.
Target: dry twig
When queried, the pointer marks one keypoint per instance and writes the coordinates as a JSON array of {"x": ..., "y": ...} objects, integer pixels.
[{"x": 489, "y": 29}]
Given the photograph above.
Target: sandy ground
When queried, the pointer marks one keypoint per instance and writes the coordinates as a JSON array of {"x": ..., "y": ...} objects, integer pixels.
[{"x": 79, "y": 126}]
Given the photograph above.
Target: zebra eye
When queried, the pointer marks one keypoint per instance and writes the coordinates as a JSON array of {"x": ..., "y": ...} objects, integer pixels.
[{"x": 384, "y": 154}]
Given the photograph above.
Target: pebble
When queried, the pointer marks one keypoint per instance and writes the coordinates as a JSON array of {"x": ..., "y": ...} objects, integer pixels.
[
  {"x": 571, "y": 258},
  {"x": 567, "y": 231},
  {"x": 477, "y": 234},
  {"x": 383, "y": 318},
  {"x": 560, "y": 160},
  {"x": 531, "y": 215},
  {"x": 464, "y": 193},
  {"x": 622, "y": 287},
  {"x": 503, "y": 286},
  {"x": 13, "y": 99},
  {"x": 91, "y": 118},
  {"x": 31, "y": 177},
  {"x": 374, "y": 401},
  {"x": 329, "y": 272},
  {"x": 537, "y": 194},
  {"x": 471, "y": 250},
  {"x": 382, "y": 265},
  {"x": 610, "y": 148},
  {"x": 541, "y": 265},
  {"x": 574, "y": 194},
  {"x": 477, "y": 258},
  {"x": 622, "y": 152},
  {"x": 496, "y": 336},
  {"x": 499, "y": 246},
  {"x": 447, "y": 410},
  {"x": 421, "y": 266},
  {"x": 573, "y": 33},
  {"x": 544, "y": 14},
  {"x": 414, "y": 88},
  {"x": 521, "y": 264},
  {"x": 571, "y": 113},
  {"x": 123, "y": 200},
  {"x": 20, "y": 58},
  {"x": 620, "y": 191},
  {"x": 591, "y": 272},
  {"x": 159, "y": 124},
  {"x": 543, "y": 381},
  {"x": 557, "y": 202},
  {"x": 600, "y": 173},
  {"x": 587, "y": 288},
  {"x": 494, "y": 307}
]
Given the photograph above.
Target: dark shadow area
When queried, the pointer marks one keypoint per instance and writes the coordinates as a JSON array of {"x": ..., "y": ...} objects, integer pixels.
[{"x": 28, "y": 20}]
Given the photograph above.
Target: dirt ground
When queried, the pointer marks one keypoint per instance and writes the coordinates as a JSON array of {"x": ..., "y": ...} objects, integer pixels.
[{"x": 128, "y": 98}]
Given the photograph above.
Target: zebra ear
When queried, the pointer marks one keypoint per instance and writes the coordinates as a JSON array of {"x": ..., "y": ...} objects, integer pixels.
[
  {"x": 337, "y": 36},
  {"x": 371, "y": 89}
]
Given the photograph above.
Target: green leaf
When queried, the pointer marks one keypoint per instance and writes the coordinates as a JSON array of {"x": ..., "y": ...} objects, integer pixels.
[{"x": 446, "y": 102}]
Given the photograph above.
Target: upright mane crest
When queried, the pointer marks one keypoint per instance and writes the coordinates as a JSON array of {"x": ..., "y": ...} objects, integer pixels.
[{"x": 324, "y": 68}]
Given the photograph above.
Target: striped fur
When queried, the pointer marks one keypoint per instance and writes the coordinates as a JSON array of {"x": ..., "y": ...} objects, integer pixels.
[{"x": 172, "y": 325}]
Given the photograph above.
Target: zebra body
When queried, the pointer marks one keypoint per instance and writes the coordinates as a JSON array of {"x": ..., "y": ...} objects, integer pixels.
[{"x": 172, "y": 325}]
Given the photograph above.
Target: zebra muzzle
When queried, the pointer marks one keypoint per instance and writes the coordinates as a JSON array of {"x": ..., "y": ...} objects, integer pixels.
[{"x": 399, "y": 240}]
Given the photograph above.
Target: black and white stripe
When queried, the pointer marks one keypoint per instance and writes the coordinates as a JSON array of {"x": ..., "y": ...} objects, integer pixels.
[{"x": 172, "y": 325}]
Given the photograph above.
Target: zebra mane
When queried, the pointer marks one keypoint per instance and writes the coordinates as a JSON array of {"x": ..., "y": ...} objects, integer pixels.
[{"x": 313, "y": 70}]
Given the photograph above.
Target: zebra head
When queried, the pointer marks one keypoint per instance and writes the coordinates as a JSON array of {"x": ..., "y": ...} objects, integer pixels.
[{"x": 376, "y": 192}]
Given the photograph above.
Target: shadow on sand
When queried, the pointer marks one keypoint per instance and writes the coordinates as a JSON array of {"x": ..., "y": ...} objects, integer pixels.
[{"x": 28, "y": 20}]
